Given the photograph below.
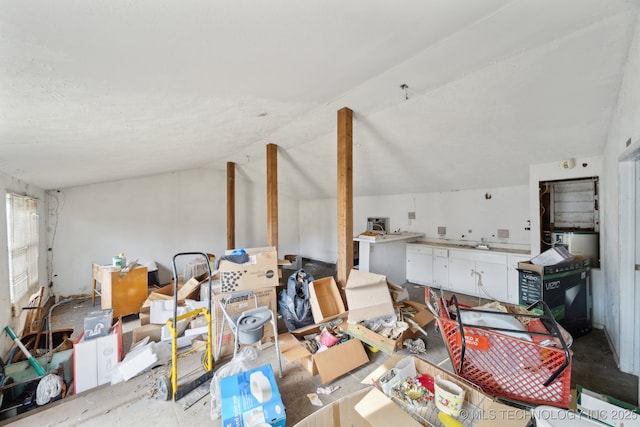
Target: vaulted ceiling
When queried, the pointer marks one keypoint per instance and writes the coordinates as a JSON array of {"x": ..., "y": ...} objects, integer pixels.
[{"x": 94, "y": 91}]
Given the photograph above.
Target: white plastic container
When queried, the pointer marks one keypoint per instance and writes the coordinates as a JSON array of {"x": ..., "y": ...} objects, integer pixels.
[{"x": 404, "y": 369}]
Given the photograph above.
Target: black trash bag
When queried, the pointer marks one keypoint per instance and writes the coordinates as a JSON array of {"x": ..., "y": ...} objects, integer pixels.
[{"x": 294, "y": 304}]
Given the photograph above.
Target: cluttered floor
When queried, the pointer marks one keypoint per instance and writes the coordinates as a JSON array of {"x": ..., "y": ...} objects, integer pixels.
[{"x": 136, "y": 402}]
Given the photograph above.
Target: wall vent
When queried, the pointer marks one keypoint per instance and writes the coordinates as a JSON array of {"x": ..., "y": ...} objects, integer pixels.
[{"x": 503, "y": 234}]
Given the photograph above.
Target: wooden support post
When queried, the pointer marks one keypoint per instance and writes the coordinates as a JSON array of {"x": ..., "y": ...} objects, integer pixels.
[
  {"x": 272, "y": 195},
  {"x": 345, "y": 195},
  {"x": 231, "y": 205}
]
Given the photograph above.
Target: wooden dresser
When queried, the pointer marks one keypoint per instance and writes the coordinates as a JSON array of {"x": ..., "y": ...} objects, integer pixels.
[{"x": 123, "y": 292}]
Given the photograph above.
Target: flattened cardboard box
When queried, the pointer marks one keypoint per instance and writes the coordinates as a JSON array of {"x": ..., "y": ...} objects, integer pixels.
[
  {"x": 325, "y": 299},
  {"x": 266, "y": 297},
  {"x": 380, "y": 411},
  {"x": 259, "y": 272},
  {"x": 330, "y": 363},
  {"x": 367, "y": 296}
]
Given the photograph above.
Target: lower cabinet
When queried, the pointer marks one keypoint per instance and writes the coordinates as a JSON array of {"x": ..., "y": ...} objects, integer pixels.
[
  {"x": 441, "y": 268},
  {"x": 493, "y": 280},
  {"x": 479, "y": 274},
  {"x": 419, "y": 264},
  {"x": 486, "y": 274}
]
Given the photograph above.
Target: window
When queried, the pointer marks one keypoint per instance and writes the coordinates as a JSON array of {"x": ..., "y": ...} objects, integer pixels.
[{"x": 22, "y": 242}]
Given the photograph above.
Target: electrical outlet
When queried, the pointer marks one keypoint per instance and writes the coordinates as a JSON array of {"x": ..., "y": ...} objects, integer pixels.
[{"x": 412, "y": 215}]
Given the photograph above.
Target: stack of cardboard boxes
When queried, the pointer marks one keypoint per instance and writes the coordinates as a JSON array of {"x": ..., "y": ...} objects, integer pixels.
[
  {"x": 367, "y": 296},
  {"x": 258, "y": 274}
]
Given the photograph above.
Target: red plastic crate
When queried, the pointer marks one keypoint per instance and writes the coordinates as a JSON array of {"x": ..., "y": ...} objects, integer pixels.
[{"x": 510, "y": 367}]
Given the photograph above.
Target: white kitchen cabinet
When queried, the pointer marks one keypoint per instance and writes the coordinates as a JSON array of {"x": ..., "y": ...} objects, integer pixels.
[
  {"x": 513, "y": 279},
  {"x": 419, "y": 264},
  {"x": 488, "y": 274},
  {"x": 441, "y": 268},
  {"x": 493, "y": 277},
  {"x": 480, "y": 274}
]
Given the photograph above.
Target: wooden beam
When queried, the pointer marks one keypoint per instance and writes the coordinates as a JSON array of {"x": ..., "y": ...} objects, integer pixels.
[
  {"x": 231, "y": 205},
  {"x": 345, "y": 195},
  {"x": 272, "y": 195}
]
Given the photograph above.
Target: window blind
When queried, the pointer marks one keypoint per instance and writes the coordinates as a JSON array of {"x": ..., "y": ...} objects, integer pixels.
[{"x": 22, "y": 242}]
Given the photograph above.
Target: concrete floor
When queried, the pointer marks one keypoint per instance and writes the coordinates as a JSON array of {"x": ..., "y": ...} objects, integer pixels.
[{"x": 134, "y": 403}]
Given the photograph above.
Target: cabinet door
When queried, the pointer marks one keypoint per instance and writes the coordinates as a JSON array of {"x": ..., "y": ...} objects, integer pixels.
[
  {"x": 493, "y": 281},
  {"x": 419, "y": 266},
  {"x": 461, "y": 278},
  {"x": 441, "y": 272}
]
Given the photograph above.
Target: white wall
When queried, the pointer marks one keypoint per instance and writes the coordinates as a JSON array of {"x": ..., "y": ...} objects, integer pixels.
[
  {"x": 8, "y": 183},
  {"x": 625, "y": 125},
  {"x": 585, "y": 167},
  {"x": 458, "y": 211},
  {"x": 154, "y": 218}
]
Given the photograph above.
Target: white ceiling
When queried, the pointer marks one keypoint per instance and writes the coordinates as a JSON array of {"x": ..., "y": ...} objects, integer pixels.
[{"x": 94, "y": 91}]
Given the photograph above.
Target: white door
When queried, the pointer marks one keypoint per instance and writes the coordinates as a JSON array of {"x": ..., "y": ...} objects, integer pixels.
[
  {"x": 635, "y": 287},
  {"x": 627, "y": 312}
]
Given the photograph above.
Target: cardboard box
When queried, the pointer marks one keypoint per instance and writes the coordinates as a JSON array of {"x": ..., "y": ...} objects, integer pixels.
[
  {"x": 606, "y": 409},
  {"x": 388, "y": 345},
  {"x": 189, "y": 290},
  {"x": 398, "y": 293},
  {"x": 330, "y": 363},
  {"x": 251, "y": 398},
  {"x": 367, "y": 296},
  {"x": 422, "y": 316},
  {"x": 97, "y": 323},
  {"x": 576, "y": 263},
  {"x": 145, "y": 318},
  {"x": 553, "y": 256},
  {"x": 95, "y": 359},
  {"x": 162, "y": 310},
  {"x": 325, "y": 299},
  {"x": 149, "y": 330},
  {"x": 380, "y": 411},
  {"x": 266, "y": 297},
  {"x": 564, "y": 287},
  {"x": 340, "y": 413},
  {"x": 259, "y": 272}
]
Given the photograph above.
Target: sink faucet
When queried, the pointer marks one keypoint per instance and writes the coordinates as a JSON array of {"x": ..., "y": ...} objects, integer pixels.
[{"x": 483, "y": 244}]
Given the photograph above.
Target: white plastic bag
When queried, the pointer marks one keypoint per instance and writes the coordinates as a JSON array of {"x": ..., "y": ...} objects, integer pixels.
[{"x": 242, "y": 362}]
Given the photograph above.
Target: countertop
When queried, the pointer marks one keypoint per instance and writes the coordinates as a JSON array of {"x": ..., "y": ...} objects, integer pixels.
[
  {"x": 391, "y": 237},
  {"x": 469, "y": 247}
]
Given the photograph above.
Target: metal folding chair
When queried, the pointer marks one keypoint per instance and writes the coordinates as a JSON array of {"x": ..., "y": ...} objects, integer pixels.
[{"x": 248, "y": 326}]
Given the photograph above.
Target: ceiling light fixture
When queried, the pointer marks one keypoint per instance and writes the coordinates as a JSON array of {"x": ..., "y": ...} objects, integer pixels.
[{"x": 404, "y": 87}]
